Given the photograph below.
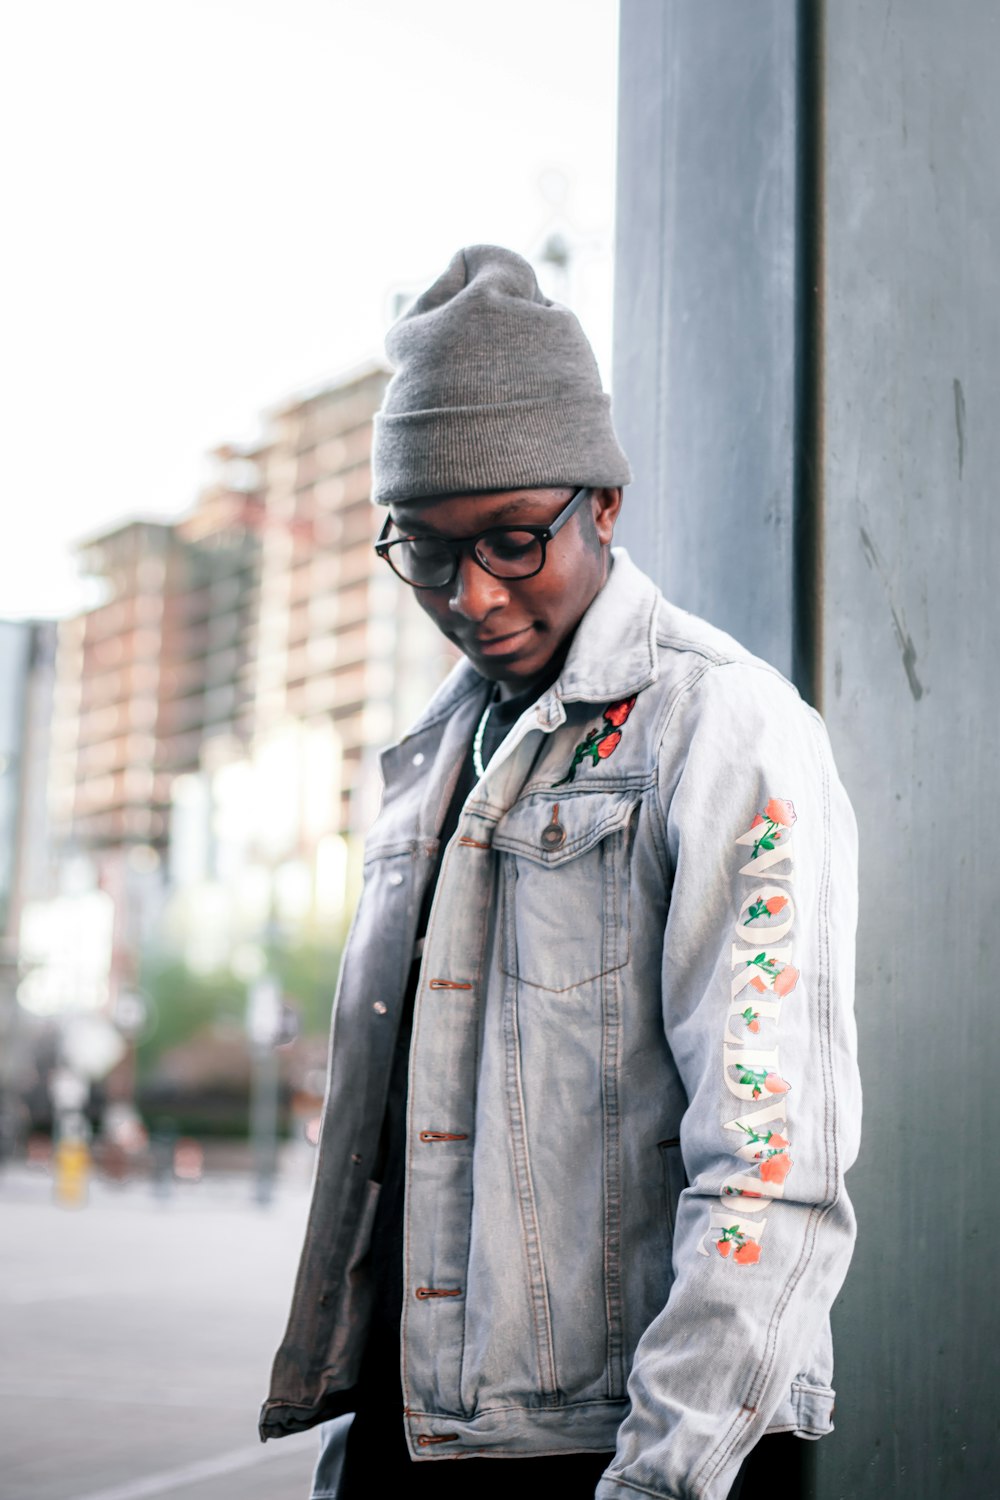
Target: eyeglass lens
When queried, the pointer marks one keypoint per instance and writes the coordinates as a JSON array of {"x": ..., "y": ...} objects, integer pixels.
[{"x": 429, "y": 563}]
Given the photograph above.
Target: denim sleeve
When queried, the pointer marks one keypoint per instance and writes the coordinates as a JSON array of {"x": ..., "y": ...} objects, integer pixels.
[{"x": 757, "y": 994}]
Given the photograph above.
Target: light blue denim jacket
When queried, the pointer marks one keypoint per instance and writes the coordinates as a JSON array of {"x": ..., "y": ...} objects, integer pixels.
[{"x": 633, "y": 1090}]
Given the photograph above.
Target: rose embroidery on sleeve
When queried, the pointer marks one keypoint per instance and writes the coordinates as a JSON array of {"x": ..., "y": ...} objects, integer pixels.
[
  {"x": 759, "y": 1079},
  {"x": 769, "y": 908},
  {"x": 775, "y": 1167},
  {"x": 772, "y": 1139},
  {"x": 779, "y": 980},
  {"x": 778, "y": 815},
  {"x": 747, "y": 1251}
]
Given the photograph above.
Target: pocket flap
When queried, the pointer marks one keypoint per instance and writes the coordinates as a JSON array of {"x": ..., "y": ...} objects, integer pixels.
[{"x": 550, "y": 829}]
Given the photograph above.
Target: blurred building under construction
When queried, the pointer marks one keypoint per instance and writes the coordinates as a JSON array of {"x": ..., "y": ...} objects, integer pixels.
[{"x": 217, "y": 716}]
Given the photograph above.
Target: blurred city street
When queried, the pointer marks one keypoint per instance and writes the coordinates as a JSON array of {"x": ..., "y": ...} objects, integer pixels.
[{"x": 137, "y": 1338}]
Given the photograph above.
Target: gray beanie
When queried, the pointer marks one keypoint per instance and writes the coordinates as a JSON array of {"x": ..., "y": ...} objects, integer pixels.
[{"x": 495, "y": 388}]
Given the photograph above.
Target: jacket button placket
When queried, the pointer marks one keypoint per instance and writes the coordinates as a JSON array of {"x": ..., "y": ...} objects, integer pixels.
[{"x": 441, "y": 1110}]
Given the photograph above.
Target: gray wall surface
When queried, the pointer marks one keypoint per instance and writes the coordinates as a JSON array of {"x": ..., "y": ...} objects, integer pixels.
[
  {"x": 911, "y": 689},
  {"x": 705, "y": 335},
  {"x": 885, "y": 471}
]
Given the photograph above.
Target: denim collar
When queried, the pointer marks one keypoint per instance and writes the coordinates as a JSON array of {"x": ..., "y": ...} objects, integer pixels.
[{"x": 613, "y": 652}]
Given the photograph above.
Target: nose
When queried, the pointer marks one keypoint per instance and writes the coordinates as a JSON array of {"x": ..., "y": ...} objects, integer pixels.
[{"x": 476, "y": 593}]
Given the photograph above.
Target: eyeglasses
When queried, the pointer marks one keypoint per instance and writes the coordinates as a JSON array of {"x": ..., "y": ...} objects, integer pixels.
[{"x": 431, "y": 562}]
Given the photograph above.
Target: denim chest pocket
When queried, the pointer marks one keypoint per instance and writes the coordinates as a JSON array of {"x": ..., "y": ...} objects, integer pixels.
[{"x": 564, "y": 870}]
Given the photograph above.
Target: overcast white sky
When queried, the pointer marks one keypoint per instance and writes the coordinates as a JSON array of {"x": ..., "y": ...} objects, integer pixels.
[{"x": 209, "y": 203}]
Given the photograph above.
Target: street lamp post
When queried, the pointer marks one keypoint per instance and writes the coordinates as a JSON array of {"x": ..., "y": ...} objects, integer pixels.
[{"x": 265, "y": 1015}]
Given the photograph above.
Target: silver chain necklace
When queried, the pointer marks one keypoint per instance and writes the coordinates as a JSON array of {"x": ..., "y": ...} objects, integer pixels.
[{"x": 477, "y": 744}]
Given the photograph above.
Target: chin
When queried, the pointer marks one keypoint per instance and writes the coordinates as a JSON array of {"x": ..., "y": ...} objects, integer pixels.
[
  {"x": 514, "y": 675},
  {"x": 500, "y": 671}
]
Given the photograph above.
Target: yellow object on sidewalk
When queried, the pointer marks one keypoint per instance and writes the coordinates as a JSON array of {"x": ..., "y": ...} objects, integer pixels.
[{"x": 72, "y": 1163}]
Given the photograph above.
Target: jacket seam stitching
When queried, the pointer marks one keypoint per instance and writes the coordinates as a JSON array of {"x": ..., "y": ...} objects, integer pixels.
[
  {"x": 579, "y": 845},
  {"x": 683, "y": 689},
  {"x": 634, "y": 781},
  {"x": 487, "y": 915},
  {"x": 825, "y": 999},
  {"x": 398, "y": 850},
  {"x": 638, "y": 1489},
  {"x": 693, "y": 678},
  {"x": 686, "y": 644},
  {"x": 611, "y": 1048},
  {"x": 489, "y": 1411},
  {"x": 531, "y": 1230},
  {"x": 673, "y": 704},
  {"x": 658, "y": 837}
]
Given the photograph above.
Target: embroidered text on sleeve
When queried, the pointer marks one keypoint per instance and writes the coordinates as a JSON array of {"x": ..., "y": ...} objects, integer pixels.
[{"x": 763, "y": 977}]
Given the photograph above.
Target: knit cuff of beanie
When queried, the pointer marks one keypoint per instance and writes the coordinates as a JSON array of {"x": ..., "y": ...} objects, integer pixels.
[{"x": 520, "y": 445}]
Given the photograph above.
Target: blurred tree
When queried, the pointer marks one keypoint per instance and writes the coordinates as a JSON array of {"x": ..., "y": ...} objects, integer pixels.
[
  {"x": 308, "y": 976},
  {"x": 187, "y": 1002}
]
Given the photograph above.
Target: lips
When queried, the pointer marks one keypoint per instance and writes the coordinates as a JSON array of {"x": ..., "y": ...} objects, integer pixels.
[{"x": 499, "y": 645}]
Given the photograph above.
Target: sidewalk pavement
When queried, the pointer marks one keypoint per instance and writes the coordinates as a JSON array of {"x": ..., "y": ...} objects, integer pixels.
[{"x": 137, "y": 1338}]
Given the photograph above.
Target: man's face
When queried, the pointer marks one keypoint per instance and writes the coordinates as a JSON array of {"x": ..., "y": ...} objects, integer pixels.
[{"x": 513, "y": 629}]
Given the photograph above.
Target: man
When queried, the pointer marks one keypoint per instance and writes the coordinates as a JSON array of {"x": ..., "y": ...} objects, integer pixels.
[{"x": 579, "y": 1212}]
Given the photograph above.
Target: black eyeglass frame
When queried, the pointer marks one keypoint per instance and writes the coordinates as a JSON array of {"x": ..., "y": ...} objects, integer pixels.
[{"x": 456, "y": 545}]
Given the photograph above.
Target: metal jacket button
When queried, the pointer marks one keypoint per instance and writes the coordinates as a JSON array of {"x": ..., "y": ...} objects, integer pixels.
[{"x": 553, "y": 835}]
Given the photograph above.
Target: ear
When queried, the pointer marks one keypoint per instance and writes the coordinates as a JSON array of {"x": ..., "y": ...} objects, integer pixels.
[{"x": 607, "y": 504}]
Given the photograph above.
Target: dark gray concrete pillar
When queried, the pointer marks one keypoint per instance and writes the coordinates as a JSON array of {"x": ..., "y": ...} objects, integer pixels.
[
  {"x": 807, "y": 370},
  {"x": 705, "y": 373}
]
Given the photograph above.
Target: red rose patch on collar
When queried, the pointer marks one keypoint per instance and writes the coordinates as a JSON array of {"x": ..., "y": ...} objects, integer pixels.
[{"x": 602, "y": 741}]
